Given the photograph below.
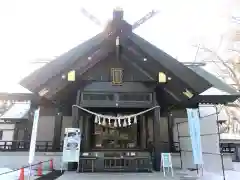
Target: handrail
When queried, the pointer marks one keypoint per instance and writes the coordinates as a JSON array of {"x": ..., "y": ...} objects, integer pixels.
[
  {"x": 47, "y": 146},
  {"x": 25, "y": 167}
]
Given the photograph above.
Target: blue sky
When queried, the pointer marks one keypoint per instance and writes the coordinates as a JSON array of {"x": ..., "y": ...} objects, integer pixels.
[{"x": 42, "y": 29}]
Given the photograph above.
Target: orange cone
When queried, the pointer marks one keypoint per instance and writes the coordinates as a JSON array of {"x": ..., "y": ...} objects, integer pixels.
[
  {"x": 51, "y": 165},
  {"x": 21, "y": 176},
  {"x": 39, "y": 171}
]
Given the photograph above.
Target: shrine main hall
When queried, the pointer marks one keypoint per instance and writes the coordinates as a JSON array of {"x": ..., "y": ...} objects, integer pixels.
[{"x": 128, "y": 98}]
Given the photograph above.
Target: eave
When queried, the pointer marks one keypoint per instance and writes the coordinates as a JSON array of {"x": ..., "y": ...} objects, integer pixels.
[
  {"x": 38, "y": 78},
  {"x": 48, "y": 79},
  {"x": 208, "y": 99},
  {"x": 196, "y": 82},
  {"x": 21, "y": 97},
  {"x": 152, "y": 69}
]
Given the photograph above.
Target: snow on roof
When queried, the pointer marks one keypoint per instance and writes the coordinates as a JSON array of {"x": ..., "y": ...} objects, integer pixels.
[
  {"x": 214, "y": 91},
  {"x": 17, "y": 111},
  {"x": 230, "y": 136}
]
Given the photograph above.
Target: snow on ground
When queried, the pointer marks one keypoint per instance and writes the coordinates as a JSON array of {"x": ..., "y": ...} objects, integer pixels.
[
  {"x": 9, "y": 176},
  {"x": 15, "y": 174},
  {"x": 178, "y": 175},
  {"x": 229, "y": 175}
]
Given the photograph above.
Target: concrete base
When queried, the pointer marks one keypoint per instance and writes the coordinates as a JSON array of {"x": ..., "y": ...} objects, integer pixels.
[{"x": 116, "y": 176}]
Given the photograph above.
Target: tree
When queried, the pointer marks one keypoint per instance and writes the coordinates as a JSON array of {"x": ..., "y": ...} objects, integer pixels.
[{"x": 224, "y": 62}]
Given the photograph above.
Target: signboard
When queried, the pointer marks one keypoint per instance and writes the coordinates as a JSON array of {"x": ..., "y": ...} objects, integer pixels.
[
  {"x": 71, "y": 146},
  {"x": 33, "y": 136},
  {"x": 194, "y": 131},
  {"x": 166, "y": 162}
]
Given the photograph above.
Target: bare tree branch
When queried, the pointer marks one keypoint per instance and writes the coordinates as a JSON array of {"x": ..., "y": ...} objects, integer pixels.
[
  {"x": 229, "y": 71},
  {"x": 235, "y": 50},
  {"x": 232, "y": 73}
]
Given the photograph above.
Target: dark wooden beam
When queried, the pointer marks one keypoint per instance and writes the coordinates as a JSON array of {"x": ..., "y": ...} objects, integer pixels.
[
  {"x": 152, "y": 68},
  {"x": 57, "y": 83},
  {"x": 75, "y": 119},
  {"x": 142, "y": 70},
  {"x": 52, "y": 69},
  {"x": 76, "y": 112},
  {"x": 170, "y": 132},
  {"x": 156, "y": 134},
  {"x": 57, "y": 130},
  {"x": 187, "y": 76}
]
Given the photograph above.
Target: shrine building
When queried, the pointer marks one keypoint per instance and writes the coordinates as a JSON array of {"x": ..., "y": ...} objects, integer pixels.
[{"x": 118, "y": 74}]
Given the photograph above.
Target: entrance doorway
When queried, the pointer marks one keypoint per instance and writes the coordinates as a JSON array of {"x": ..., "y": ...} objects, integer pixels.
[
  {"x": 117, "y": 148},
  {"x": 107, "y": 137}
]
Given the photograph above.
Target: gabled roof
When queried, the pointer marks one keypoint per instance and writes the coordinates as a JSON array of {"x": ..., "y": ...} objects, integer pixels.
[
  {"x": 216, "y": 82},
  {"x": 49, "y": 77},
  {"x": 61, "y": 63},
  {"x": 169, "y": 63}
]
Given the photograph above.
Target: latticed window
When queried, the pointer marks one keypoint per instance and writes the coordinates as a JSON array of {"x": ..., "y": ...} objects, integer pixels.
[
  {"x": 97, "y": 97},
  {"x": 117, "y": 76},
  {"x": 135, "y": 97}
]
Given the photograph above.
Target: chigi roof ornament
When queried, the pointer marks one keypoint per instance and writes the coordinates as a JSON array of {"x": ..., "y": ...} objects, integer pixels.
[{"x": 118, "y": 13}]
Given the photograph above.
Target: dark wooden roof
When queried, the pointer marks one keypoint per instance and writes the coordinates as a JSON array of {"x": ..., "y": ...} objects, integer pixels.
[
  {"x": 216, "y": 99},
  {"x": 216, "y": 82},
  {"x": 61, "y": 64},
  {"x": 209, "y": 99},
  {"x": 133, "y": 49},
  {"x": 170, "y": 64}
]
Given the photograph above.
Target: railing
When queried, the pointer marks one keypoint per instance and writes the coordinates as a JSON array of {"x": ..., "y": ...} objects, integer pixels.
[
  {"x": 227, "y": 148},
  {"x": 41, "y": 146},
  {"x": 47, "y": 146},
  {"x": 122, "y": 164}
]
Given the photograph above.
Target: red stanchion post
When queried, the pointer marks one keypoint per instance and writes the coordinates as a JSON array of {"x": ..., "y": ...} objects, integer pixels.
[
  {"x": 21, "y": 176},
  {"x": 51, "y": 165},
  {"x": 39, "y": 171}
]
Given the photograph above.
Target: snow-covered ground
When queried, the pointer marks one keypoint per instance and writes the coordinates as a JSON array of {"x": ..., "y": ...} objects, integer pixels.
[
  {"x": 9, "y": 176},
  {"x": 230, "y": 175},
  {"x": 15, "y": 174}
]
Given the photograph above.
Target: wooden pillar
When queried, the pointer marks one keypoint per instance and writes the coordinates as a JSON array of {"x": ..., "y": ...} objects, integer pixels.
[
  {"x": 83, "y": 143},
  {"x": 143, "y": 132},
  {"x": 237, "y": 152},
  {"x": 75, "y": 118},
  {"x": 72, "y": 166},
  {"x": 57, "y": 130},
  {"x": 170, "y": 132},
  {"x": 156, "y": 134},
  {"x": 28, "y": 126},
  {"x": 15, "y": 137},
  {"x": 16, "y": 132},
  {"x": 87, "y": 135},
  {"x": 76, "y": 112},
  {"x": 27, "y": 134}
]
